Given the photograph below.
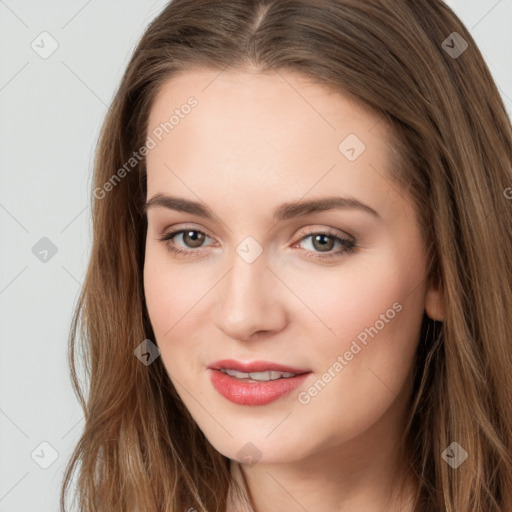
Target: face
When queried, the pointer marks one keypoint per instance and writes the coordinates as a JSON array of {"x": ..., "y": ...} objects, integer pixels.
[{"x": 249, "y": 271}]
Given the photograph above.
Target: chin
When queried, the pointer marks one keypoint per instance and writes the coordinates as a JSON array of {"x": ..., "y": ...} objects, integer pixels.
[{"x": 251, "y": 449}]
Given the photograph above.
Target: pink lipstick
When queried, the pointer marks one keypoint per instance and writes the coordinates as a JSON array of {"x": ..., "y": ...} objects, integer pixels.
[{"x": 255, "y": 382}]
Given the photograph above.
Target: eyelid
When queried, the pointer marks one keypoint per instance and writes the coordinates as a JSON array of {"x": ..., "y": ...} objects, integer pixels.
[
  {"x": 327, "y": 231},
  {"x": 175, "y": 229}
]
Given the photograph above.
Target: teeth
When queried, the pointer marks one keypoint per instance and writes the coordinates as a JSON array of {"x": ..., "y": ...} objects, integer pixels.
[
  {"x": 258, "y": 376},
  {"x": 236, "y": 373}
]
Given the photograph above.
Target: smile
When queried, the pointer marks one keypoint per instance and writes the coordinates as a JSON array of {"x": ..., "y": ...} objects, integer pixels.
[
  {"x": 254, "y": 383},
  {"x": 257, "y": 376}
]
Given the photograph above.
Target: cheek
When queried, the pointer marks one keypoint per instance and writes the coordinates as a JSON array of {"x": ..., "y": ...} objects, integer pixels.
[
  {"x": 349, "y": 303},
  {"x": 372, "y": 307},
  {"x": 375, "y": 312},
  {"x": 385, "y": 319},
  {"x": 175, "y": 298},
  {"x": 165, "y": 293},
  {"x": 170, "y": 289},
  {"x": 158, "y": 301}
]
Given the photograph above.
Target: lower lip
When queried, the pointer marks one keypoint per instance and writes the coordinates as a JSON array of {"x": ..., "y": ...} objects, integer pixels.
[{"x": 242, "y": 392}]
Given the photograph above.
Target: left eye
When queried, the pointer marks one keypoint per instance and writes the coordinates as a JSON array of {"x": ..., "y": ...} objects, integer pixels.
[{"x": 325, "y": 242}]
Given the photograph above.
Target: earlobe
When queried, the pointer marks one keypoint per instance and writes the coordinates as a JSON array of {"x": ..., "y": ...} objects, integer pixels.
[{"x": 434, "y": 302}]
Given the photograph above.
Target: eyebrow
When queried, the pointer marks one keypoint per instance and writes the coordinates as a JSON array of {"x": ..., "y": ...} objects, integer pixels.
[{"x": 283, "y": 212}]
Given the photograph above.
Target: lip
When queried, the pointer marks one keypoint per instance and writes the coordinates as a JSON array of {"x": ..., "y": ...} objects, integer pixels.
[
  {"x": 254, "y": 393},
  {"x": 254, "y": 366}
]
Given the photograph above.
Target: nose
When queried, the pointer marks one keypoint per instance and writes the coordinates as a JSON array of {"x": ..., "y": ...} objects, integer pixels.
[{"x": 250, "y": 300}]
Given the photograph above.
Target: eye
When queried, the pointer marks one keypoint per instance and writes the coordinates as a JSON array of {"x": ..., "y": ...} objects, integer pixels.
[
  {"x": 192, "y": 238},
  {"x": 322, "y": 244}
]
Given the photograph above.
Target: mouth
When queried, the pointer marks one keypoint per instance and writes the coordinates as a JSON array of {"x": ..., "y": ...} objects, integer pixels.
[
  {"x": 258, "y": 376},
  {"x": 255, "y": 382}
]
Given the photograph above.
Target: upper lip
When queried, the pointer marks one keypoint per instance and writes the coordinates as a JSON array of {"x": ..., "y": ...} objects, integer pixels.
[{"x": 254, "y": 366}]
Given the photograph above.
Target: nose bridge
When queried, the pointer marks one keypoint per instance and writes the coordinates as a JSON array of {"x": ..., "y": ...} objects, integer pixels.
[{"x": 247, "y": 297}]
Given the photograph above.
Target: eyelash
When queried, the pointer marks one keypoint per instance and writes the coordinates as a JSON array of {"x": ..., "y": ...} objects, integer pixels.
[{"x": 349, "y": 246}]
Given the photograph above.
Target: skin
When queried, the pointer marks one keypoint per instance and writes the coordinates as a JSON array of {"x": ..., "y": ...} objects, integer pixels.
[{"x": 253, "y": 142}]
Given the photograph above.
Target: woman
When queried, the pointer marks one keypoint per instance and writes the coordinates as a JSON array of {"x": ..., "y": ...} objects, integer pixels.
[{"x": 299, "y": 290}]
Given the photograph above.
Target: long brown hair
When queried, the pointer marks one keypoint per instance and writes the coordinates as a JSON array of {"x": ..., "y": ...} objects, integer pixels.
[{"x": 140, "y": 446}]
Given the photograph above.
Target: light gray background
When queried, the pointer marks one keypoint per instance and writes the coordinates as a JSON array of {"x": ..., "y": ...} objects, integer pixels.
[{"x": 51, "y": 112}]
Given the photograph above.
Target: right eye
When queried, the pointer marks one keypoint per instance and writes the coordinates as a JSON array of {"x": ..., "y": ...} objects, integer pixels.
[{"x": 190, "y": 237}]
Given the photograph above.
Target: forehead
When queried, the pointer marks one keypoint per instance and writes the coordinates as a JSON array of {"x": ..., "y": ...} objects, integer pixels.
[
  {"x": 282, "y": 128},
  {"x": 272, "y": 101}
]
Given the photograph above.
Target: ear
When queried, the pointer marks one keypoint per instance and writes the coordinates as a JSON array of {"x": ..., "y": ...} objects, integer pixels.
[{"x": 434, "y": 301}]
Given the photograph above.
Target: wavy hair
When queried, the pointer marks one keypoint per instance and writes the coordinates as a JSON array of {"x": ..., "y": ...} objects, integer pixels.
[{"x": 140, "y": 448}]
